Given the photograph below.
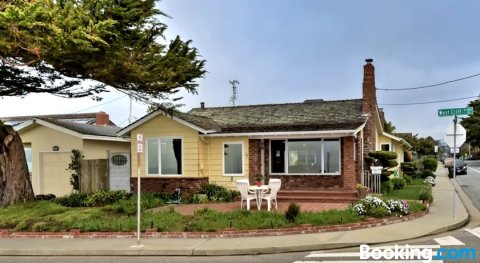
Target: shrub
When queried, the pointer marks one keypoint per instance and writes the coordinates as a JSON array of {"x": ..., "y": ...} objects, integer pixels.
[
  {"x": 386, "y": 187},
  {"x": 408, "y": 168},
  {"x": 398, "y": 183},
  {"x": 72, "y": 200},
  {"x": 292, "y": 212},
  {"x": 430, "y": 164},
  {"x": 218, "y": 193},
  {"x": 427, "y": 173},
  {"x": 426, "y": 193},
  {"x": 379, "y": 211},
  {"x": 371, "y": 206},
  {"x": 103, "y": 197},
  {"x": 398, "y": 207},
  {"x": 407, "y": 178},
  {"x": 46, "y": 197},
  {"x": 418, "y": 175},
  {"x": 129, "y": 206},
  {"x": 429, "y": 180}
]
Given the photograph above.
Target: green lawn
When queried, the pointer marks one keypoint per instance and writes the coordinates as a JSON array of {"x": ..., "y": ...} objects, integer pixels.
[{"x": 410, "y": 192}]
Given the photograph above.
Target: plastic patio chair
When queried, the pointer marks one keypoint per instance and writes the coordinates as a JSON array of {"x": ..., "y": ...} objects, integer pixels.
[
  {"x": 274, "y": 185},
  {"x": 242, "y": 186}
]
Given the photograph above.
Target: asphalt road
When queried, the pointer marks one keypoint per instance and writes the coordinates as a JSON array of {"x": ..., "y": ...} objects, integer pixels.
[{"x": 470, "y": 182}]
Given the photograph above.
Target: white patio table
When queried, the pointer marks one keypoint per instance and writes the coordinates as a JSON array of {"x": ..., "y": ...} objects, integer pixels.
[{"x": 259, "y": 190}]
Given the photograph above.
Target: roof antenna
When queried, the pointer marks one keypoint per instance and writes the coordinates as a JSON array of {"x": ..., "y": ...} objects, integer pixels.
[{"x": 234, "y": 91}]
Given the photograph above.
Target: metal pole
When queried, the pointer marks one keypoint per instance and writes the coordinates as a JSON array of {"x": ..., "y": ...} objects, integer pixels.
[
  {"x": 454, "y": 159},
  {"x": 138, "y": 199}
]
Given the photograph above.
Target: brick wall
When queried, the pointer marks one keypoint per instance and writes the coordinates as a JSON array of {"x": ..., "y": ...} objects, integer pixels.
[
  {"x": 254, "y": 160},
  {"x": 168, "y": 185},
  {"x": 349, "y": 171}
]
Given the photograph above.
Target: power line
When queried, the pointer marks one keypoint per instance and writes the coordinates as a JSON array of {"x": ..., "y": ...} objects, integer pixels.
[
  {"x": 434, "y": 85},
  {"x": 101, "y": 104},
  {"x": 428, "y": 102}
]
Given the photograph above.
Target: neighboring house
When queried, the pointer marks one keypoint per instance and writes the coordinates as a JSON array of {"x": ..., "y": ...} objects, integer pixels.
[
  {"x": 48, "y": 141},
  {"x": 312, "y": 145}
]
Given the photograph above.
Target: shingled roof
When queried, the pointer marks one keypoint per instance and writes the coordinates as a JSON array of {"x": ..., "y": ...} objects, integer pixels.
[
  {"x": 311, "y": 115},
  {"x": 86, "y": 129}
]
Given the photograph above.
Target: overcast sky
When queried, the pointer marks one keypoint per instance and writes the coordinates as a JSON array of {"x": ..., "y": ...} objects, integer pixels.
[{"x": 289, "y": 51}]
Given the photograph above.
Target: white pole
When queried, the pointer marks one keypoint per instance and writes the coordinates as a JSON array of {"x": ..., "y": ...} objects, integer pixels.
[
  {"x": 138, "y": 199},
  {"x": 454, "y": 160}
]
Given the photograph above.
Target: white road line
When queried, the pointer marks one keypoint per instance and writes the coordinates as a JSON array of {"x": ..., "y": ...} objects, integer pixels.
[
  {"x": 374, "y": 261},
  {"x": 449, "y": 241},
  {"x": 475, "y": 231},
  {"x": 474, "y": 169}
]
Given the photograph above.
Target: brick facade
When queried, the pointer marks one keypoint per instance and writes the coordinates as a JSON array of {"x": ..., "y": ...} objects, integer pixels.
[
  {"x": 167, "y": 185},
  {"x": 254, "y": 160}
]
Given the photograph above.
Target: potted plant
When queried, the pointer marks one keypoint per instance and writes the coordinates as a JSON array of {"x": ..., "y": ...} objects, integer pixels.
[
  {"x": 259, "y": 179},
  {"x": 362, "y": 191}
]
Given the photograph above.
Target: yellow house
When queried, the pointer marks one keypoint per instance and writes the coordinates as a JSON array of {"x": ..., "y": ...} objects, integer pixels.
[
  {"x": 389, "y": 142},
  {"x": 48, "y": 144},
  {"x": 312, "y": 146}
]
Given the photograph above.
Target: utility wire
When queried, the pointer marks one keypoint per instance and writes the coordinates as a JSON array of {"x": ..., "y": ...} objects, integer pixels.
[
  {"x": 101, "y": 104},
  {"x": 434, "y": 85},
  {"x": 428, "y": 102}
]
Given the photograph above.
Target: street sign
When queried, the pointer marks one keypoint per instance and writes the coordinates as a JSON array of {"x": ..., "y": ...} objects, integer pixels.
[
  {"x": 139, "y": 143},
  {"x": 461, "y": 135},
  {"x": 455, "y": 111}
]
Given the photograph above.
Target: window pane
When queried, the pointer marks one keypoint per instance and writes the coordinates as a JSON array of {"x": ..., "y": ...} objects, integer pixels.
[
  {"x": 385, "y": 147},
  {"x": 171, "y": 156},
  {"x": 277, "y": 158},
  {"x": 332, "y": 156},
  {"x": 304, "y": 156},
  {"x": 28, "y": 156},
  {"x": 152, "y": 155},
  {"x": 233, "y": 158}
]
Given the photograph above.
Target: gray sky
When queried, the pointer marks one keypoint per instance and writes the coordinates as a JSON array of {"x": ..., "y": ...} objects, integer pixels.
[{"x": 289, "y": 51}]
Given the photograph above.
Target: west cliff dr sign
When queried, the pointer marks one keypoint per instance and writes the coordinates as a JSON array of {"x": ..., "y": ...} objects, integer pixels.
[{"x": 455, "y": 111}]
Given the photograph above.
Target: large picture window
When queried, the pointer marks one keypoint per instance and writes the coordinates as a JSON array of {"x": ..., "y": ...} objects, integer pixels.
[
  {"x": 233, "y": 159},
  {"x": 305, "y": 156},
  {"x": 164, "y": 156}
]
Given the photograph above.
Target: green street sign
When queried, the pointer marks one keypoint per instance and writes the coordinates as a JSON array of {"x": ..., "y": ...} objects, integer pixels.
[{"x": 455, "y": 111}]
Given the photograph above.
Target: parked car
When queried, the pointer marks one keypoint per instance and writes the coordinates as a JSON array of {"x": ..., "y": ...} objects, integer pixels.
[{"x": 461, "y": 168}]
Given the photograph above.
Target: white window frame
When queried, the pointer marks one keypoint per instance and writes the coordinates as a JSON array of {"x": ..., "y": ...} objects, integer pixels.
[
  {"x": 286, "y": 157},
  {"x": 389, "y": 147},
  {"x": 160, "y": 157},
  {"x": 243, "y": 158}
]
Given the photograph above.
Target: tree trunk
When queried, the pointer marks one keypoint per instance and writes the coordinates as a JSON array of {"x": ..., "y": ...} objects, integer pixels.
[{"x": 15, "y": 185}]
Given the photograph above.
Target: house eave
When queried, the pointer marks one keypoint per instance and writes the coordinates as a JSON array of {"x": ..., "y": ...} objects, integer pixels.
[{"x": 298, "y": 134}]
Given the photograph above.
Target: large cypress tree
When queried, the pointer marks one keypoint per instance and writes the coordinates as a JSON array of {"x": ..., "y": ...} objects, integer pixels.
[{"x": 53, "y": 46}]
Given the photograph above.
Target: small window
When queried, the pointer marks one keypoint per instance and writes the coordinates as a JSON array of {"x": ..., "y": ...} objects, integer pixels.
[
  {"x": 28, "y": 156},
  {"x": 119, "y": 160},
  {"x": 386, "y": 147},
  {"x": 164, "y": 156},
  {"x": 233, "y": 159}
]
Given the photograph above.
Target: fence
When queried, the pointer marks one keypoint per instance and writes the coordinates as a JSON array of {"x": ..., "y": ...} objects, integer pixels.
[
  {"x": 94, "y": 176},
  {"x": 372, "y": 181}
]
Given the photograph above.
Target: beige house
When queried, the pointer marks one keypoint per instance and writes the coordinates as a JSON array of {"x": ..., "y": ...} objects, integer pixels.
[{"x": 49, "y": 141}]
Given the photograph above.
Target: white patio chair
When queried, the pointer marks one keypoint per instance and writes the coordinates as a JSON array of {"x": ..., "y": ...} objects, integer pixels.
[
  {"x": 242, "y": 186},
  {"x": 274, "y": 185}
]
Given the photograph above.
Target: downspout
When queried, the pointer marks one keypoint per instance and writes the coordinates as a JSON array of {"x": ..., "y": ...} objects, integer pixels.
[
  {"x": 262, "y": 157},
  {"x": 208, "y": 154}
]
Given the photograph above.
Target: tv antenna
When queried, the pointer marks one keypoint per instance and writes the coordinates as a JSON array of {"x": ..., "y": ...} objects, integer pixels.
[{"x": 234, "y": 91}]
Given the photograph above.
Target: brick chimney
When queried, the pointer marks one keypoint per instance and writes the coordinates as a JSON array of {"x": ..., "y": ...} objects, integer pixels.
[
  {"x": 101, "y": 118},
  {"x": 369, "y": 106}
]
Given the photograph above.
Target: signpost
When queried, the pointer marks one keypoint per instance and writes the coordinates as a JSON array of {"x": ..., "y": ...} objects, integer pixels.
[
  {"x": 139, "y": 151},
  {"x": 455, "y": 134}
]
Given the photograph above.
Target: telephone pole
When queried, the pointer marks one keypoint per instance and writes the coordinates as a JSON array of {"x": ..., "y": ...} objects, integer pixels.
[{"x": 234, "y": 91}]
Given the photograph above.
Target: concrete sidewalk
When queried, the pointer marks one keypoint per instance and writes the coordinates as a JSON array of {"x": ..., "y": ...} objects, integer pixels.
[{"x": 440, "y": 218}]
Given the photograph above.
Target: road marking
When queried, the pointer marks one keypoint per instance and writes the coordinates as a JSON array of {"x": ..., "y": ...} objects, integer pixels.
[
  {"x": 475, "y": 231},
  {"x": 449, "y": 241},
  {"x": 373, "y": 261},
  {"x": 474, "y": 169}
]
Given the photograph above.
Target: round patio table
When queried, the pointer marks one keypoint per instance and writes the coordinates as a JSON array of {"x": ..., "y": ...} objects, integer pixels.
[{"x": 259, "y": 191}]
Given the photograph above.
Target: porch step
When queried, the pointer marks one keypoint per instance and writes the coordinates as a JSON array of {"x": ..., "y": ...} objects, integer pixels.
[{"x": 318, "y": 196}]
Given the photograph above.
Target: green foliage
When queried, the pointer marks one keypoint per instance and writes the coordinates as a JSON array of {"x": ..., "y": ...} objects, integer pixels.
[
  {"x": 388, "y": 127},
  {"x": 113, "y": 42},
  {"x": 379, "y": 212},
  {"x": 430, "y": 164},
  {"x": 217, "y": 193},
  {"x": 426, "y": 193},
  {"x": 369, "y": 160},
  {"x": 398, "y": 183},
  {"x": 472, "y": 124},
  {"x": 383, "y": 156},
  {"x": 72, "y": 200},
  {"x": 75, "y": 166},
  {"x": 292, "y": 212},
  {"x": 408, "y": 168},
  {"x": 408, "y": 179},
  {"x": 422, "y": 146},
  {"x": 129, "y": 206},
  {"x": 386, "y": 187},
  {"x": 426, "y": 173}
]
